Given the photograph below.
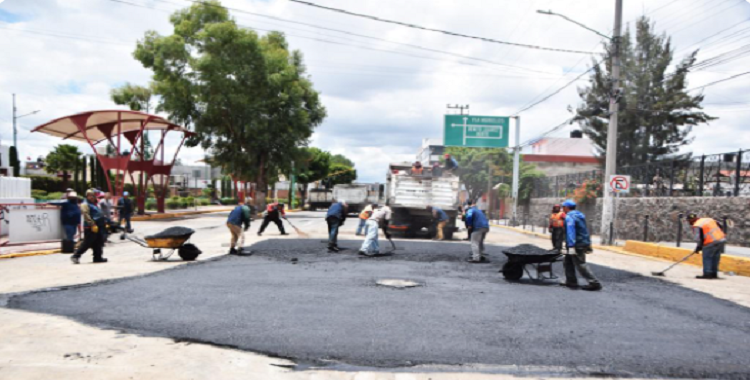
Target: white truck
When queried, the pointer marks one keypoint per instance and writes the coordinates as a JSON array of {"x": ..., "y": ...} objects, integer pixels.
[
  {"x": 408, "y": 196},
  {"x": 358, "y": 195},
  {"x": 319, "y": 199}
]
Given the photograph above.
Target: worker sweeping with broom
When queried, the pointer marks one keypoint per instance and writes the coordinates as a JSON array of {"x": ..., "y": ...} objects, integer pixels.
[{"x": 710, "y": 239}]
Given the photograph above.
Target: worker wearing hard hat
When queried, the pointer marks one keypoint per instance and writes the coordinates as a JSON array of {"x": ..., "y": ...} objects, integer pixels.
[
  {"x": 710, "y": 239},
  {"x": 93, "y": 229},
  {"x": 579, "y": 240}
]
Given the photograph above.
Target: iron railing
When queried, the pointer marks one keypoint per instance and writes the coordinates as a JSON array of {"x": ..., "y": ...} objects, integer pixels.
[{"x": 723, "y": 174}]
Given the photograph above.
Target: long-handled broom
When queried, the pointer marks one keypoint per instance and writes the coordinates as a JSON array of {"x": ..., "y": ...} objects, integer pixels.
[
  {"x": 661, "y": 274},
  {"x": 297, "y": 230}
]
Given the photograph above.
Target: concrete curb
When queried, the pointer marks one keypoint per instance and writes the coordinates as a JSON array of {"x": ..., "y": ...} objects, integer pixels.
[
  {"x": 729, "y": 263},
  {"x": 27, "y": 254}
]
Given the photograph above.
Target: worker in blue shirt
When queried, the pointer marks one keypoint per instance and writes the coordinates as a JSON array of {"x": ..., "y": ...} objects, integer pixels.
[
  {"x": 440, "y": 218},
  {"x": 579, "y": 239},
  {"x": 335, "y": 218},
  {"x": 478, "y": 229}
]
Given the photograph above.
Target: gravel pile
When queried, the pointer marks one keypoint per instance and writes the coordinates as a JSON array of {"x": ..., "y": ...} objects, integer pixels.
[
  {"x": 172, "y": 232},
  {"x": 527, "y": 250}
]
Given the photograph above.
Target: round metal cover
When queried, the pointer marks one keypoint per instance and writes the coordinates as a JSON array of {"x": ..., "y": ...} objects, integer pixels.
[{"x": 396, "y": 283}]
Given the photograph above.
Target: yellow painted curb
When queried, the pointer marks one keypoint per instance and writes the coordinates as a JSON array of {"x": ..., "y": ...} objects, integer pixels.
[
  {"x": 27, "y": 254},
  {"x": 729, "y": 263}
]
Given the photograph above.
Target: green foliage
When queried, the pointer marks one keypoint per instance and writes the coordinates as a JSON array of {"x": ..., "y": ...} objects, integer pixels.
[
  {"x": 656, "y": 113},
  {"x": 476, "y": 164},
  {"x": 38, "y": 194},
  {"x": 248, "y": 98},
  {"x": 341, "y": 160},
  {"x": 229, "y": 201},
  {"x": 344, "y": 174},
  {"x": 313, "y": 165},
  {"x": 137, "y": 98},
  {"x": 526, "y": 176},
  {"x": 15, "y": 163},
  {"x": 48, "y": 184},
  {"x": 63, "y": 158}
]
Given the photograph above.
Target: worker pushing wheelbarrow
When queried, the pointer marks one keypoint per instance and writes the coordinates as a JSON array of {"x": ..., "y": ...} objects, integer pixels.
[{"x": 172, "y": 239}]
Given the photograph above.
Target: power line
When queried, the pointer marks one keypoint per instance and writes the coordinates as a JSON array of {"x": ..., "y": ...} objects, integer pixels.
[
  {"x": 547, "y": 133},
  {"x": 413, "y": 26},
  {"x": 720, "y": 81},
  {"x": 412, "y": 46}
]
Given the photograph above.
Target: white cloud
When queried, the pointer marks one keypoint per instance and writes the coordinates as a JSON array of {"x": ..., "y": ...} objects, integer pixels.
[{"x": 380, "y": 104}]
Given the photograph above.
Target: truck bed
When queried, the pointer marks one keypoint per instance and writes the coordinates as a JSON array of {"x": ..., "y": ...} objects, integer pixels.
[{"x": 418, "y": 193}]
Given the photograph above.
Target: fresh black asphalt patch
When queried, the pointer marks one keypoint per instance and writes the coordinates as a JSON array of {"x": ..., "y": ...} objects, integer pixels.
[{"x": 325, "y": 308}]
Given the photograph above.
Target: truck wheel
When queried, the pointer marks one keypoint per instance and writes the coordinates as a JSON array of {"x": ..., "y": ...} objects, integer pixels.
[{"x": 512, "y": 271}]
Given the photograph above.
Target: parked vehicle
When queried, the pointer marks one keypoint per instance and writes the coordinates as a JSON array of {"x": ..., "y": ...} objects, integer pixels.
[
  {"x": 408, "y": 196},
  {"x": 358, "y": 195},
  {"x": 319, "y": 199}
]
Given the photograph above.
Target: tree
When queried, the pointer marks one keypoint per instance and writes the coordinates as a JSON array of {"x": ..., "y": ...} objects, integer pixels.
[
  {"x": 342, "y": 174},
  {"x": 248, "y": 98},
  {"x": 474, "y": 170},
  {"x": 340, "y": 159},
  {"x": 137, "y": 98},
  {"x": 314, "y": 165},
  {"x": 656, "y": 113},
  {"x": 63, "y": 158}
]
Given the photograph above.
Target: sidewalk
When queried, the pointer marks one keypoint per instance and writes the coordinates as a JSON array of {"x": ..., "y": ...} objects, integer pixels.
[{"x": 54, "y": 247}]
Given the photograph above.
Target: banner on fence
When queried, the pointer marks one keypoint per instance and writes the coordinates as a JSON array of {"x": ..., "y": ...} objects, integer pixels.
[{"x": 33, "y": 225}]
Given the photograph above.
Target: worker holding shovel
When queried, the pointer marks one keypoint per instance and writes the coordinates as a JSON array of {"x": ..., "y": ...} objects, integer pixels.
[
  {"x": 579, "y": 240},
  {"x": 237, "y": 218},
  {"x": 379, "y": 218}
]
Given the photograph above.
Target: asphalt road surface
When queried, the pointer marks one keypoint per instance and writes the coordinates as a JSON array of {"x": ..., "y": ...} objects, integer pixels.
[{"x": 326, "y": 309}]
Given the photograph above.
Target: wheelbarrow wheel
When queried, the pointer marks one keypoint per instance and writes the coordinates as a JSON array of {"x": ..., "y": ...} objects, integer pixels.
[
  {"x": 189, "y": 252},
  {"x": 512, "y": 271}
]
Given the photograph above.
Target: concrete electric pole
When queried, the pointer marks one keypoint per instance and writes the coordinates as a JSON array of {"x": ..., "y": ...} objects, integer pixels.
[
  {"x": 516, "y": 169},
  {"x": 459, "y": 107},
  {"x": 15, "y": 123},
  {"x": 608, "y": 206}
]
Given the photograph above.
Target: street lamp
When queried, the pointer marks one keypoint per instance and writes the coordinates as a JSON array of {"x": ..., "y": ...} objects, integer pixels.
[
  {"x": 16, "y": 117},
  {"x": 611, "y": 153}
]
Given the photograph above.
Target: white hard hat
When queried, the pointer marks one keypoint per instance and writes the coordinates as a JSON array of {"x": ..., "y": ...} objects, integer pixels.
[{"x": 72, "y": 194}]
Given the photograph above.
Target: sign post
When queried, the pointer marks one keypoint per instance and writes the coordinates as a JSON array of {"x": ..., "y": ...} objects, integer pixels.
[
  {"x": 618, "y": 184},
  {"x": 476, "y": 131}
]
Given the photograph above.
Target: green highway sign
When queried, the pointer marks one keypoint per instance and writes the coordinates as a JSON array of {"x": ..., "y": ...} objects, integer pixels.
[{"x": 476, "y": 131}]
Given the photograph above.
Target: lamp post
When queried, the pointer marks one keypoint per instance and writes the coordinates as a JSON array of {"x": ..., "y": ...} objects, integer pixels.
[
  {"x": 16, "y": 117},
  {"x": 611, "y": 153}
]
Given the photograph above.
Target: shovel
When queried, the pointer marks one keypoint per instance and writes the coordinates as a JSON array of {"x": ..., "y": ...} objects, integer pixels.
[{"x": 661, "y": 274}]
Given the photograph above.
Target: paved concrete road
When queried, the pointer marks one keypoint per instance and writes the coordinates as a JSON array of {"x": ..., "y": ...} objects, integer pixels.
[{"x": 327, "y": 309}]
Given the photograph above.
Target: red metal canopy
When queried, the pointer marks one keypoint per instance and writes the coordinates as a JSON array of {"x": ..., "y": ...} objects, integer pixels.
[{"x": 93, "y": 127}]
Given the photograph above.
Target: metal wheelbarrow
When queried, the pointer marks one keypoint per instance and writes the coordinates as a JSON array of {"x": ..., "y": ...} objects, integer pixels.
[
  {"x": 541, "y": 260},
  {"x": 173, "y": 239}
]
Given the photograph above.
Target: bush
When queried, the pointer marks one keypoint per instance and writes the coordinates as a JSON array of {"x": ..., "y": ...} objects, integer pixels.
[
  {"x": 204, "y": 201},
  {"x": 229, "y": 201},
  {"x": 48, "y": 184},
  {"x": 151, "y": 204},
  {"x": 173, "y": 203},
  {"x": 38, "y": 194}
]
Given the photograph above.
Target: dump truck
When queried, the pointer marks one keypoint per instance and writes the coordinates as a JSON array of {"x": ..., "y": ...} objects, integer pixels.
[
  {"x": 409, "y": 195},
  {"x": 358, "y": 195},
  {"x": 319, "y": 199}
]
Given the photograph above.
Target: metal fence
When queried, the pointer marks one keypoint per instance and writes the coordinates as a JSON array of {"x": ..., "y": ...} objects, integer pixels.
[{"x": 723, "y": 174}]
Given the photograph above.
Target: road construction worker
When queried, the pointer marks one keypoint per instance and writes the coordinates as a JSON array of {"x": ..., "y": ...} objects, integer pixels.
[
  {"x": 479, "y": 227},
  {"x": 557, "y": 227},
  {"x": 710, "y": 239},
  {"x": 378, "y": 219},
  {"x": 417, "y": 168},
  {"x": 239, "y": 217},
  {"x": 70, "y": 217},
  {"x": 93, "y": 230},
  {"x": 450, "y": 164},
  {"x": 335, "y": 218},
  {"x": 274, "y": 213},
  {"x": 125, "y": 208},
  {"x": 579, "y": 240},
  {"x": 440, "y": 218},
  {"x": 363, "y": 216}
]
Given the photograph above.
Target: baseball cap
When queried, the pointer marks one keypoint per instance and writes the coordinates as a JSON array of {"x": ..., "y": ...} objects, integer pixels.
[{"x": 569, "y": 203}]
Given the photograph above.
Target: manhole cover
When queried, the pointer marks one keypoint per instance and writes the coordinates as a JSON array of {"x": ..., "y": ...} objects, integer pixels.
[{"x": 401, "y": 284}]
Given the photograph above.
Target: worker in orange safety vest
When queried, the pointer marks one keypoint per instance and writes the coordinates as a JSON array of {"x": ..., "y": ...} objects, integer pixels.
[
  {"x": 557, "y": 227},
  {"x": 710, "y": 239}
]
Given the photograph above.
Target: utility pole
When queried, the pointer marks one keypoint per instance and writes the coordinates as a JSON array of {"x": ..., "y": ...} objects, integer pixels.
[
  {"x": 15, "y": 132},
  {"x": 610, "y": 169},
  {"x": 516, "y": 169},
  {"x": 460, "y": 108}
]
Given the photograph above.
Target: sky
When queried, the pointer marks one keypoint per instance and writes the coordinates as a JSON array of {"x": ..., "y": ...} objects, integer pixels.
[{"x": 385, "y": 88}]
